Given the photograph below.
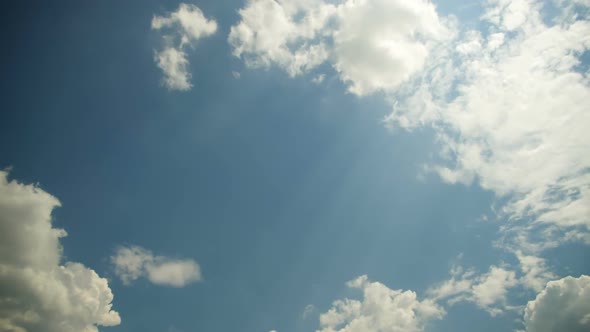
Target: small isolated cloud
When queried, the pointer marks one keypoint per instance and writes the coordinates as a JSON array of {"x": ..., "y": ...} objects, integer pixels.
[
  {"x": 182, "y": 29},
  {"x": 134, "y": 262},
  {"x": 564, "y": 305},
  {"x": 38, "y": 291},
  {"x": 381, "y": 309}
]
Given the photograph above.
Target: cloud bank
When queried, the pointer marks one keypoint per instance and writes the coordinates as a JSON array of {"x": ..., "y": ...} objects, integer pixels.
[
  {"x": 133, "y": 262},
  {"x": 39, "y": 292},
  {"x": 183, "y": 28}
]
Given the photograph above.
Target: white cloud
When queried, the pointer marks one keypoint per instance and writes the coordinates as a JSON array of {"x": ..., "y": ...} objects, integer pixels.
[
  {"x": 381, "y": 310},
  {"x": 374, "y": 45},
  {"x": 535, "y": 273},
  {"x": 268, "y": 33},
  {"x": 488, "y": 291},
  {"x": 174, "y": 64},
  {"x": 39, "y": 292},
  {"x": 134, "y": 262},
  {"x": 564, "y": 305},
  {"x": 185, "y": 26},
  {"x": 460, "y": 283},
  {"x": 492, "y": 289}
]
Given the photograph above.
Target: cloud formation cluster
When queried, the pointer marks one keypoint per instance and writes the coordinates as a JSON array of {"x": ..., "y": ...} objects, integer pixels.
[
  {"x": 184, "y": 28},
  {"x": 507, "y": 101},
  {"x": 39, "y": 292},
  {"x": 564, "y": 305},
  {"x": 134, "y": 262}
]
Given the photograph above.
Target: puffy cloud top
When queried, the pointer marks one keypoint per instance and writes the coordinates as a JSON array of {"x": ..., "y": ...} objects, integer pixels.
[
  {"x": 38, "y": 292},
  {"x": 381, "y": 310},
  {"x": 564, "y": 305},
  {"x": 375, "y": 45}
]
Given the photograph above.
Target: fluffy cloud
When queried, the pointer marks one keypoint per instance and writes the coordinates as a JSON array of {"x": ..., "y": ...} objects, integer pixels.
[
  {"x": 381, "y": 310},
  {"x": 134, "y": 262},
  {"x": 39, "y": 292},
  {"x": 374, "y": 45},
  {"x": 185, "y": 26},
  {"x": 564, "y": 305}
]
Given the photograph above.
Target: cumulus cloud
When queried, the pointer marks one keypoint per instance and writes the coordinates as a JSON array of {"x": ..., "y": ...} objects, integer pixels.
[
  {"x": 382, "y": 310},
  {"x": 564, "y": 305},
  {"x": 39, "y": 292},
  {"x": 183, "y": 28},
  {"x": 134, "y": 262},
  {"x": 374, "y": 45}
]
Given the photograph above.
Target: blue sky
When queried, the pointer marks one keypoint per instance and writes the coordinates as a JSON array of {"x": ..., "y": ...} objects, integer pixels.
[{"x": 230, "y": 165}]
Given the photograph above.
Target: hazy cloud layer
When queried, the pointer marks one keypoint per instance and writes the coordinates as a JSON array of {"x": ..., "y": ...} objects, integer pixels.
[
  {"x": 40, "y": 293},
  {"x": 134, "y": 262}
]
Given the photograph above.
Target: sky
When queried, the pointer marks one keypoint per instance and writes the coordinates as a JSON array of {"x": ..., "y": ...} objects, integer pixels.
[{"x": 295, "y": 165}]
